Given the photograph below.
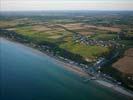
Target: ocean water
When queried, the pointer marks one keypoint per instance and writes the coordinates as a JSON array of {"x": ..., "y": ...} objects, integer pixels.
[{"x": 27, "y": 74}]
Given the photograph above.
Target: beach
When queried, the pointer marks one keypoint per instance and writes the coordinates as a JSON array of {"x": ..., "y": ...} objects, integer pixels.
[
  {"x": 116, "y": 88},
  {"x": 77, "y": 70}
]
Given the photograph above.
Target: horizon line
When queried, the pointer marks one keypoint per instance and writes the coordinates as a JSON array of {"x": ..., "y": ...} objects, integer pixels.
[{"x": 62, "y": 10}]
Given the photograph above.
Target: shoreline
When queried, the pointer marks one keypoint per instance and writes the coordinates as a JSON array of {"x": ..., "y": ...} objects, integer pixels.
[
  {"x": 68, "y": 66},
  {"x": 73, "y": 68},
  {"x": 118, "y": 89},
  {"x": 77, "y": 70}
]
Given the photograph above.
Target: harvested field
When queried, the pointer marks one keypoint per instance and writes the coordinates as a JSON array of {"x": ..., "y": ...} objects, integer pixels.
[
  {"x": 55, "y": 37},
  {"x": 86, "y": 33},
  {"x": 8, "y": 24},
  {"x": 74, "y": 26},
  {"x": 113, "y": 29},
  {"x": 125, "y": 64},
  {"x": 80, "y": 26},
  {"x": 40, "y": 28},
  {"x": 129, "y": 52}
]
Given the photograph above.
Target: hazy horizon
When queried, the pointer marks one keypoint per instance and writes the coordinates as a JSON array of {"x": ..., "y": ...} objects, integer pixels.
[{"x": 60, "y": 5}]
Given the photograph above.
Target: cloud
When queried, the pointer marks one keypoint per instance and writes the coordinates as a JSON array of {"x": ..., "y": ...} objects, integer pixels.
[{"x": 17, "y": 5}]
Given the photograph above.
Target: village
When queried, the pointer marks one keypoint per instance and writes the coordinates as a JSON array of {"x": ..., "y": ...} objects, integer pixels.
[{"x": 93, "y": 69}]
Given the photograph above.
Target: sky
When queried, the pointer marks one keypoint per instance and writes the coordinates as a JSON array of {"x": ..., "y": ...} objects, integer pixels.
[{"x": 29, "y": 5}]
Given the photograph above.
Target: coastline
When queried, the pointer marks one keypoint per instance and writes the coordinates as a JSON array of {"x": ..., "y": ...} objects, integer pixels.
[
  {"x": 67, "y": 66},
  {"x": 73, "y": 68},
  {"x": 77, "y": 70},
  {"x": 115, "y": 88}
]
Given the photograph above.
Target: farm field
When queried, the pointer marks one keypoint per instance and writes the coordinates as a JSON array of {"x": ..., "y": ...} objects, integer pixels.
[
  {"x": 125, "y": 64},
  {"x": 80, "y": 37},
  {"x": 61, "y": 37}
]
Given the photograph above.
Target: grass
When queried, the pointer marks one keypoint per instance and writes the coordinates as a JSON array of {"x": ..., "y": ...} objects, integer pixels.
[
  {"x": 90, "y": 52},
  {"x": 62, "y": 38},
  {"x": 40, "y": 36},
  {"x": 104, "y": 36},
  {"x": 55, "y": 36}
]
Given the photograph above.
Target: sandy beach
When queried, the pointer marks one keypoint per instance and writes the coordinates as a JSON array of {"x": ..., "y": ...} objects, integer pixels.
[
  {"x": 116, "y": 88},
  {"x": 67, "y": 66},
  {"x": 73, "y": 68}
]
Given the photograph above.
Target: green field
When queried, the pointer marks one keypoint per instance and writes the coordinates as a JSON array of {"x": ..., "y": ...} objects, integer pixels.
[
  {"x": 59, "y": 36},
  {"x": 55, "y": 34},
  {"x": 40, "y": 30}
]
